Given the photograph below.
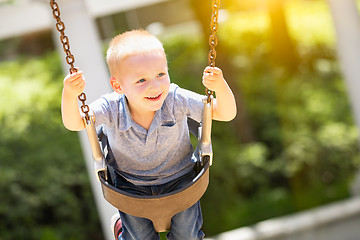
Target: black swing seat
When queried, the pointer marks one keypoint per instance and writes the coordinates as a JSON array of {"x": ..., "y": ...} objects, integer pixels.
[{"x": 157, "y": 208}]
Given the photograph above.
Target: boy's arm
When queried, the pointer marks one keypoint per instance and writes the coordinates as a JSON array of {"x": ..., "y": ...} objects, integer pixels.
[
  {"x": 74, "y": 84},
  {"x": 224, "y": 108}
]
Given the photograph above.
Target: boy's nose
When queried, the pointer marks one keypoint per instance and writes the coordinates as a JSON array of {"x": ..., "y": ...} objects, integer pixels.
[{"x": 154, "y": 85}]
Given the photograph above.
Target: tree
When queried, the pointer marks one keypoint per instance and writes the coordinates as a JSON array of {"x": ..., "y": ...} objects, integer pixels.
[
  {"x": 283, "y": 50},
  {"x": 202, "y": 10}
]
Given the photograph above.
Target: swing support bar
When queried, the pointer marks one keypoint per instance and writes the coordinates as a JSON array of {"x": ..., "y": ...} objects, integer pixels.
[
  {"x": 99, "y": 163},
  {"x": 205, "y": 148}
]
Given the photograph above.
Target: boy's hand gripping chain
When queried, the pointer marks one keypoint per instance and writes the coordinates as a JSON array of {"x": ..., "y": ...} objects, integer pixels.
[
  {"x": 88, "y": 120},
  {"x": 206, "y": 152}
]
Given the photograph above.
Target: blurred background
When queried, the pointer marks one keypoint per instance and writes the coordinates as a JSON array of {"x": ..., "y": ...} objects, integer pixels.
[{"x": 293, "y": 146}]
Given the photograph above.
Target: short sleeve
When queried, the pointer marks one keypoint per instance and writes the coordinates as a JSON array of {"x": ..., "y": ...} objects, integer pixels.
[
  {"x": 188, "y": 102},
  {"x": 102, "y": 110}
]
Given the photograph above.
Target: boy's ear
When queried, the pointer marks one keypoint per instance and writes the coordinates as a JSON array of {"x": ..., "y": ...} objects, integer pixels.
[{"x": 116, "y": 85}]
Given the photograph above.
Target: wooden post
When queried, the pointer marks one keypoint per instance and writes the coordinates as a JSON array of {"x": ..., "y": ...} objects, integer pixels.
[{"x": 347, "y": 26}]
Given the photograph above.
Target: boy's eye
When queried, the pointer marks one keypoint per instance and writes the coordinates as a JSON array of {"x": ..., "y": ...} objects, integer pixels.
[
  {"x": 141, "y": 80},
  {"x": 161, "y": 74}
]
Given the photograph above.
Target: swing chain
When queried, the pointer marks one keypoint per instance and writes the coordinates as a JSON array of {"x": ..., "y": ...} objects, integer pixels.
[
  {"x": 60, "y": 26},
  {"x": 213, "y": 40}
]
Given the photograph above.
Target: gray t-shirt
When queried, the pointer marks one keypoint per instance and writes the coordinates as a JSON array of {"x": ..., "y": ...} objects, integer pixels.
[{"x": 160, "y": 154}]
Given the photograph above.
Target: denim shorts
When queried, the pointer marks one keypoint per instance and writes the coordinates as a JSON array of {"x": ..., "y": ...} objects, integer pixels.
[{"x": 184, "y": 225}]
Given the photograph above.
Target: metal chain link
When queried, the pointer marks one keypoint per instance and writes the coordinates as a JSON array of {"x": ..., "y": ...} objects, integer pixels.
[
  {"x": 60, "y": 26},
  {"x": 213, "y": 40}
]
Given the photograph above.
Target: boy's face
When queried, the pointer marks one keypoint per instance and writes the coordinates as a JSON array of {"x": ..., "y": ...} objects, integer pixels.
[{"x": 144, "y": 80}]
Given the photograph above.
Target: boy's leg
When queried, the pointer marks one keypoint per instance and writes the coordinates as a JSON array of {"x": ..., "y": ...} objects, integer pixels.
[
  {"x": 187, "y": 224},
  {"x": 136, "y": 228}
]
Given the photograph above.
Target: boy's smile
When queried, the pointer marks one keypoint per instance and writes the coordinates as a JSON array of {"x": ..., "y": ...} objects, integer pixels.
[
  {"x": 155, "y": 98},
  {"x": 145, "y": 82}
]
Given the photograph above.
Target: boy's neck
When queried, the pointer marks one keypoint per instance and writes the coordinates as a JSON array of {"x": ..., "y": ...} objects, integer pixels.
[{"x": 143, "y": 119}]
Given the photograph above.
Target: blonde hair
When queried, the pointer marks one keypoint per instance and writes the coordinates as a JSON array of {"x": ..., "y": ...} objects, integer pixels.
[{"x": 128, "y": 44}]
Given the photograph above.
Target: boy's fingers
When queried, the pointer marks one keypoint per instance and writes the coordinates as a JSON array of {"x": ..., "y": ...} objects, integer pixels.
[
  {"x": 215, "y": 70},
  {"x": 78, "y": 83},
  {"x": 210, "y": 76},
  {"x": 75, "y": 77}
]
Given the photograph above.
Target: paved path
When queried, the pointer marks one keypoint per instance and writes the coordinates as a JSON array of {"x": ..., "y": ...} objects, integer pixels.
[{"x": 337, "y": 221}]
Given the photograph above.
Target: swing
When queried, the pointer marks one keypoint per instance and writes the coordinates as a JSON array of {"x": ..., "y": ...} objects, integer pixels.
[{"x": 158, "y": 208}]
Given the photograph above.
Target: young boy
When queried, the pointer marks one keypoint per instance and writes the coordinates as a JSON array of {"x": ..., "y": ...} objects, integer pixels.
[{"x": 145, "y": 120}]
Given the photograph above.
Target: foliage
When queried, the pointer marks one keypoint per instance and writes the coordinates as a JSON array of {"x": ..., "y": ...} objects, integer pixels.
[
  {"x": 46, "y": 192},
  {"x": 304, "y": 153},
  {"x": 306, "y": 147}
]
